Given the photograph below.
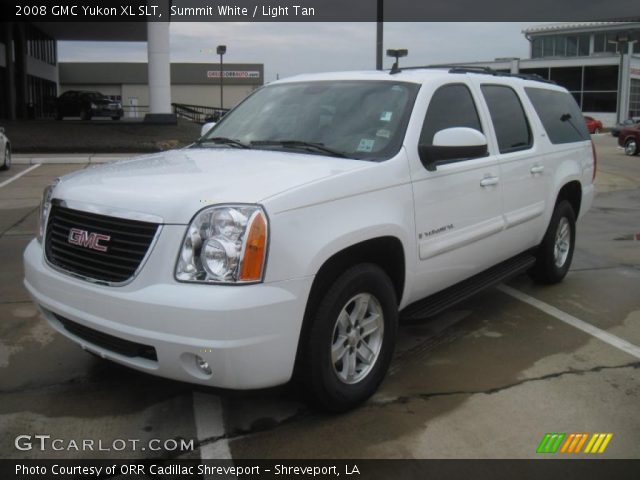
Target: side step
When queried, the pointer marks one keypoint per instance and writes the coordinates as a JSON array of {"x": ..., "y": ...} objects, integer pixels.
[{"x": 436, "y": 303}]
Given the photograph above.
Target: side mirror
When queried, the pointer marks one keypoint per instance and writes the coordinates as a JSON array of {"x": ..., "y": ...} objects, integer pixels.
[
  {"x": 206, "y": 127},
  {"x": 457, "y": 143}
]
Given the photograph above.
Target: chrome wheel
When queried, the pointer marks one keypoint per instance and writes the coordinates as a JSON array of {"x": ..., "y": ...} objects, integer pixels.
[
  {"x": 562, "y": 242},
  {"x": 630, "y": 147},
  {"x": 357, "y": 338}
]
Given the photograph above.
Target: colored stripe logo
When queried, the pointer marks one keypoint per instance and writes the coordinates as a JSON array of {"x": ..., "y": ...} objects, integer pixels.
[{"x": 556, "y": 442}]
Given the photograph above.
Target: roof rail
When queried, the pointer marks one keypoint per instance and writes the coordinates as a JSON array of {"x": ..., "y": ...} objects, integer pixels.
[{"x": 481, "y": 70}]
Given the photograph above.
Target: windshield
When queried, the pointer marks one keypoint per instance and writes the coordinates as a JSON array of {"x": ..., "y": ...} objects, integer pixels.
[{"x": 355, "y": 119}]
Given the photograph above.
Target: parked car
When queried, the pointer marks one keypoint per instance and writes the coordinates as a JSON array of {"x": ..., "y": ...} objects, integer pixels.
[
  {"x": 86, "y": 105},
  {"x": 289, "y": 239},
  {"x": 615, "y": 131},
  {"x": 5, "y": 150},
  {"x": 593, "y": 125},
  {"x": 629, "y": 139}
]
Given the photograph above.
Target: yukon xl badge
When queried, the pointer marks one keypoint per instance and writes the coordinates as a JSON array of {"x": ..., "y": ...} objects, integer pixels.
[{"x": 85, "y": 239}]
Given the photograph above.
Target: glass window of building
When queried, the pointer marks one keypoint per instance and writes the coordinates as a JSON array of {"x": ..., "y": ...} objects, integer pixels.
[
  {"x": 536, "y": 48},
  {"x": 572, "y": 45},
  {"x": 583, "y": 44},
  {"x": 548, "y": 47},
  {"x": 560, "y": 46},
  {"x": 599, "y": 41}
]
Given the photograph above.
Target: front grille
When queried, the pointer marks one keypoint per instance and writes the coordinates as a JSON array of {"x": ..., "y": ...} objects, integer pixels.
[
  {"x": 108, "y": 342},
  {"x": 127, "y": 244}
]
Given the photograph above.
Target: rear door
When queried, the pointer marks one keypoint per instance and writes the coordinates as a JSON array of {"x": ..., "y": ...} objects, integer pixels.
[{"x": 523, "y": 170}]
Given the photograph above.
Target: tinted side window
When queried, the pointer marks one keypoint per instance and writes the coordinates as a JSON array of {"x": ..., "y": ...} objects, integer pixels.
[
  {"x": 560, "y": 115},
  {"x": 508, "y": 117},
  {"x": 450, "y": 106}
]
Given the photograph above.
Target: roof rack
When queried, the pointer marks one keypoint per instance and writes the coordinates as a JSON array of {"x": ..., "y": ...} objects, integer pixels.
[{"x": 480, "y": 70}]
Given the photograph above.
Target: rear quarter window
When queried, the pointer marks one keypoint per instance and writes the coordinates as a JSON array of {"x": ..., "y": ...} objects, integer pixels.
[{"x": 560, "y": 115}]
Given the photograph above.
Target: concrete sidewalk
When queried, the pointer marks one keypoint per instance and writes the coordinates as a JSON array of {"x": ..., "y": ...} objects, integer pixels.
[{"x": 81, "y": 158}]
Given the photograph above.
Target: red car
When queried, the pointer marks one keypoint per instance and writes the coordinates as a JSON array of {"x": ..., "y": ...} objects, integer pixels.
[
  {"x": 593, "y": 125},
  {"x": 629, "y": 139}
]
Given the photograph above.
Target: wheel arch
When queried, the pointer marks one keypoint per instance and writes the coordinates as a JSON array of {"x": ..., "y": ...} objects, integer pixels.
[
  {"x": 385, "y": 251},
  {"x": 571, "y": 192}
]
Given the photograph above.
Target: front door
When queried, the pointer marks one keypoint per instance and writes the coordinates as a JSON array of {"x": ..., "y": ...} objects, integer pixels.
[{"x": 458, "y": 207}]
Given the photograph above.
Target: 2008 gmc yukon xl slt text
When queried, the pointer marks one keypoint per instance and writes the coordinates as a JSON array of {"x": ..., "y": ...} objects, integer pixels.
[{"x": 291, "y": 237}]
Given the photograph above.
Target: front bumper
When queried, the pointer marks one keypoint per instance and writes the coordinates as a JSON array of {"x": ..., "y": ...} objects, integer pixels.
[
  {"x": 106, "y": 112},
  {"x": 247, "y": 334}
]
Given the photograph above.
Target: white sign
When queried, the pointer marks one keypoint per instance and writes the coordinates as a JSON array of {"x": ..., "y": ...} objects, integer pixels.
[{"x": 234, "y": 74}]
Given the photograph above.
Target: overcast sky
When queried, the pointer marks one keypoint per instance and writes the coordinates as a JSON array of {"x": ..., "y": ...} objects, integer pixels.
[{"x": 291, "y": 48}]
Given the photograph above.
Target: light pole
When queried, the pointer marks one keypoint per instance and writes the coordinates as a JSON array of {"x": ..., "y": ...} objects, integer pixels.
[{"x": 221, "y": 50}]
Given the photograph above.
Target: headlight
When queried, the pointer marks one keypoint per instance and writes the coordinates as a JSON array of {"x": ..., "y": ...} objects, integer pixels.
[
  {"x": 224, "y": 244},
  {"x": 45, "y": 207}
]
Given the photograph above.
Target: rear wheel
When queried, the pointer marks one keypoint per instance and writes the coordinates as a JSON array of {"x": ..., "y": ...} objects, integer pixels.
[
  {"x": 555, "y": 253},
  {"x": 116, "y": 117},
  {"x": 85, "y": 114},
  {"x": 631, "y": 146},
  {"x": 596, "y": 130},
  {"x": 7, "y": 158},
  {"x": 351, "y": 339}
]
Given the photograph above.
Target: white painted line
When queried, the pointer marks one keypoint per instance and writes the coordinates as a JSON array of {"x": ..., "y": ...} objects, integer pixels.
[
  {"x": 603, "y": 335},
  {"x": 15, "y": 177},
  {"x": 207, "y": 411}
]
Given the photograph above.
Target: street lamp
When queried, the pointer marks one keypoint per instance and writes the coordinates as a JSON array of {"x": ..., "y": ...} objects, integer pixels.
[{"x": 221, "y": 50}]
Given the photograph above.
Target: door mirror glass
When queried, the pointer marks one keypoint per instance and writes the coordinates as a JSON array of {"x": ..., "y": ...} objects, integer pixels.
[
  {"x": 206, "y": 127},
  {"x": 453, "y": 144}
]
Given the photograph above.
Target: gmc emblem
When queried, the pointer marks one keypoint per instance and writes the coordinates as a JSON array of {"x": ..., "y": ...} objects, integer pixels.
[{"x": 82, "y": 238}]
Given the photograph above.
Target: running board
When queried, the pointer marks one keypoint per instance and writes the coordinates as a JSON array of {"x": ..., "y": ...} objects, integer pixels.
[{"x": 436, "y": 303}]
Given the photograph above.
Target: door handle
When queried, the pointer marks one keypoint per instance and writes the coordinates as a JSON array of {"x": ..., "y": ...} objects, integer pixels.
[
  {"x": 489, "y": 181},
  {"x": 537, "y": 169}
]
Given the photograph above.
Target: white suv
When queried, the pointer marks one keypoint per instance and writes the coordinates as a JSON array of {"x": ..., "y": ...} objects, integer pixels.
[{"x": 292, "y": 236}]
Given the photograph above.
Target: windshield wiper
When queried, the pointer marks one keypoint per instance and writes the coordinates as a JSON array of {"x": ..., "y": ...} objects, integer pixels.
[
  {"x": 223, "y": 141},
  {"x": 312, "y": 146}
]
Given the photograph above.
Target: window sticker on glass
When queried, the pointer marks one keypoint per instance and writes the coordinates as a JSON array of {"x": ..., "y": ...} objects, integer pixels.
[
  {"x": 386, "y": 116},
  {"x": 384, "y": 133},
  {"x": 366, "y": 145}
]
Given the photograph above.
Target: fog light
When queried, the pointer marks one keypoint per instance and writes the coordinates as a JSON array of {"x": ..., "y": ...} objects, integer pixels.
[{"x": 202, "y": 365}]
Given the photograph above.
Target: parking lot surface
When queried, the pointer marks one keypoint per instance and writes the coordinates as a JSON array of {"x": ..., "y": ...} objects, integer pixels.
[{"x": 485, "y": 379}]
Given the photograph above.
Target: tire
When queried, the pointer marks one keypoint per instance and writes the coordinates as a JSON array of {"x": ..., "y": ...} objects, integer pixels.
[
  {"x": 6, "y": 165},
  {"x": 59, "y": 116},
  {"x": 631, "y": 147},
  {"x": 115, "y": 118},
  {"x": 596, "y": 130},
  {"x": 348, "y": 381},
  {"x": 85, "y": 115},
  {"x": 555, "y": 253}
]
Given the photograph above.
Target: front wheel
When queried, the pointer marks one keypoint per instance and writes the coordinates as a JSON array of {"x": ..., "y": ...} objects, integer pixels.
[
  {"x": 351, "y": 339},
  {"x": 555, "y": 253},
  {"x": 631, "y": 147},
  {"x": 596, "y": 130}
]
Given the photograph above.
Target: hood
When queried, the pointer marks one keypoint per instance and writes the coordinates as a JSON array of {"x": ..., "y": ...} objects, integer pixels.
[{"x": 174, "y": 185}]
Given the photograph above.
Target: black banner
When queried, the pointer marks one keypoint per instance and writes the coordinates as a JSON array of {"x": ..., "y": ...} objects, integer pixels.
[
  {"x": 316, "y": 10},
  {"x": 567, "y": 469}
]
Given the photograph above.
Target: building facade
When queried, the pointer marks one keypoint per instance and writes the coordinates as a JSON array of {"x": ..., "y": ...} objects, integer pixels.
[
  {"x": 191, "y": 83},
  {"x": 28, "y": 70},
  {"x": 598, "y": 62}
]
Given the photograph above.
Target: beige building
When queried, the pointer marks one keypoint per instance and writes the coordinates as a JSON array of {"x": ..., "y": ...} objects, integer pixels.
[{"x": 191, "y": 83}]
